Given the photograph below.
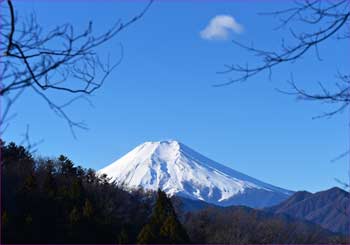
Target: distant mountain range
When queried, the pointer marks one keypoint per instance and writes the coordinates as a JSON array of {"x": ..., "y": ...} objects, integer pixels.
[
  {"x": 244, "y": 225},
  {"x": 178, "y": 170},
  {"x": 208, "y": 223},
  {"x": 330, "y": 209},
  {"x": 197, "y": 183}
]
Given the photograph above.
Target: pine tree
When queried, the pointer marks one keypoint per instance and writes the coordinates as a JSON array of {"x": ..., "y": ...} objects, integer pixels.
[
  {"x": 173, "y": 232},
  {"x": 164, "y": 226},
  {"x": 148, "y": 235},
  {"x": 66, "y": 166}
]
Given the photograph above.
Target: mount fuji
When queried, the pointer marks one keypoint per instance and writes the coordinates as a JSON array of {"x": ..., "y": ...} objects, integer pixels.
[{"x": 178, "y": 170}]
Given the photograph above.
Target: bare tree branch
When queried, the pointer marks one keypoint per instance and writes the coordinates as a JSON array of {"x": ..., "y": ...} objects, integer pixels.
[
  {"x": 30, "y": 58},
  {"x": 329, "y": 19}
]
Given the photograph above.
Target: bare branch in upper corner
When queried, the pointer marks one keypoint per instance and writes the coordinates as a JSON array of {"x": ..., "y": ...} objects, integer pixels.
[
  {"x": 328, "y": 19},
  {"x": 30, "y": 58}
]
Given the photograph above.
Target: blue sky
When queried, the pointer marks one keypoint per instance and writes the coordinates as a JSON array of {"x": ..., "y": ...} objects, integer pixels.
[{"x": 163, "y": 90}]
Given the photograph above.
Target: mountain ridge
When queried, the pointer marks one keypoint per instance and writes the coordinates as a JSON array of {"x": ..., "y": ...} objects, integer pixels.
[{"x": 326, "y": 208}]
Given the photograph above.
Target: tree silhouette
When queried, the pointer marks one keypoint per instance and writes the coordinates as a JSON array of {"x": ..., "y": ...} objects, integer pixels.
[
  {"x": 54, "y": 201},
  {"x": 163, "y": 226}
]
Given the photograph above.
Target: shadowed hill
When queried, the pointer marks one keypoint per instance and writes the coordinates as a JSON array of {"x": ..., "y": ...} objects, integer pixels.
[
  {"x": 244, "y": 225},
  {"x": 327, "y": 208}
]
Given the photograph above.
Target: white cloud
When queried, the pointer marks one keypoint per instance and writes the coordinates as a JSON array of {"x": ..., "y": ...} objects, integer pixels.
[{"x": 219, "y": 28}]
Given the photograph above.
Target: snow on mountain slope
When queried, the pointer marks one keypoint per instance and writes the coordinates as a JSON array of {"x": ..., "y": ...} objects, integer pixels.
[{"x": 179, "y": 170}]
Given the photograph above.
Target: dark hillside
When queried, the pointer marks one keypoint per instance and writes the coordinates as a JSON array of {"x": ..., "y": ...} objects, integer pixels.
[{"x": 328, "y": 208}]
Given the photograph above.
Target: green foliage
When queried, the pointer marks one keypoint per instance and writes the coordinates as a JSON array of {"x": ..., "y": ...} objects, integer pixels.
[
  {"x": 148, "y": 235},
  {"x": 163, "y": 226},
  {"x": 173, "y": 232},
  {"x": 53, "y": 201}
]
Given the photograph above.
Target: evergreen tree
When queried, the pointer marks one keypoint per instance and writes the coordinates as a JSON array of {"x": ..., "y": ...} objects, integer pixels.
[
  {"x": 173, "y": 232},
  {"x": 163, "y": 226},
  {"x": 148, "y": 235},
  {"x": 66, "y": 166},
  {"x": 53, "y": 201}
]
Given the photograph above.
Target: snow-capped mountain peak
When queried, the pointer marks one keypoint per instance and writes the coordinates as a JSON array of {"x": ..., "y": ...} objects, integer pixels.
[{"x": 179, "y": 170}]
